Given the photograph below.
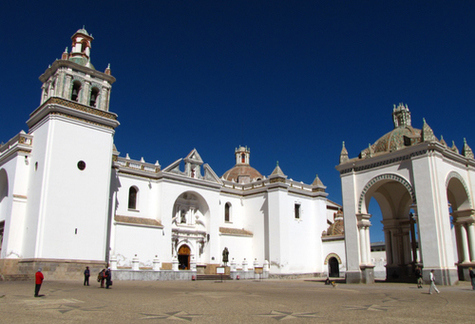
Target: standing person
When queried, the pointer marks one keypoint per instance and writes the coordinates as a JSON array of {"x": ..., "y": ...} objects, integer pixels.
[
  {"x": 419, "y": 277},
  {"x": 472, "y": 277},
  {"x": 87, "y": 274},
  {"x": 38, "y": 281},
  {"x": 102, "y": 277},
  {"x": 108, "y": 278},
  {"x": 432, "y": 283}
]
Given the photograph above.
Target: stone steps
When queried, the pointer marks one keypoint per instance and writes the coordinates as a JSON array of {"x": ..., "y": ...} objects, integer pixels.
[
  {"x": 213, "y": 277},
  {"x": 17, "y": 277}
]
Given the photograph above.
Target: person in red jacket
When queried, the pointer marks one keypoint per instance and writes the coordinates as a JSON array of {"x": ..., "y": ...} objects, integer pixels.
[{"x": 38, "y": 280}]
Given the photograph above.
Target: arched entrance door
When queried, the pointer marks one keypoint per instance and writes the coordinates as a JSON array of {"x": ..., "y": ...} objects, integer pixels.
[
  {"x": 184, "y": 257},
  {"x": 333, "y": 267}
]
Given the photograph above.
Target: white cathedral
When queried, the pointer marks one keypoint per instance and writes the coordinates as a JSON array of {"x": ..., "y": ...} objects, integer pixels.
[{"x": 69, "y": 200}]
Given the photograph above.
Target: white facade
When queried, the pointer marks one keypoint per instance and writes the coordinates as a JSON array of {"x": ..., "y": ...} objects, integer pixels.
[{"x": 68, "y": 199}]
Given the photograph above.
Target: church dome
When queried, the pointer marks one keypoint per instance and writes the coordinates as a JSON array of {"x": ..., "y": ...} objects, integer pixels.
[
  {"x": 401, "y": 136},
  {"x": 242, "y": 172},
  {"x": 394, "y": 140}
]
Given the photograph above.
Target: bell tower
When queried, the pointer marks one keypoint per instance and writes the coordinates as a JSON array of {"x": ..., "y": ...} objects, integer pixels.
[
  {"x": 74, "y": 78},
  {"x": 73, "y": 130}
]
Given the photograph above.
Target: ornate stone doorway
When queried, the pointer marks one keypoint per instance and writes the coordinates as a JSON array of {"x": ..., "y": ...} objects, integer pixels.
[{"x": 184, "y": 257}]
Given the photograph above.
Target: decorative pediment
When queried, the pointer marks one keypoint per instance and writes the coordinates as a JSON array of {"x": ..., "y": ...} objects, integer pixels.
[
  {"x": 210, "y": 175},
  {"x": 194, "y": 157},
  {"x": 174, "y": 167}
]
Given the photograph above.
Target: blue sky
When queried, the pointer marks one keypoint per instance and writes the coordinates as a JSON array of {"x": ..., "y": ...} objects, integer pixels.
[{"x": 289, "y": 79}]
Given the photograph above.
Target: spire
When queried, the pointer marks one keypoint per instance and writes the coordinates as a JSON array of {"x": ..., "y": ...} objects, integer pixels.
[
  {"x": 108, "y": 69},
  {"x": 65, "y": 54},
  {"x": 318, "y": 185},
  {"x": 427, "y": 134},
  {"x": 466, "y": 150},
  {"x": 277, "y": 170},
  {"x": 454, "y": 148},
  {"x": 343, "y": 154}
]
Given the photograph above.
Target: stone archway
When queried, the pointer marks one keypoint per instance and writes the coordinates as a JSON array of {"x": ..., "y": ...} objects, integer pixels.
[
  {"x": 463, "y": 219},
  {"x": 395, "y": 197},
  {"x": 190, "y": 225}
]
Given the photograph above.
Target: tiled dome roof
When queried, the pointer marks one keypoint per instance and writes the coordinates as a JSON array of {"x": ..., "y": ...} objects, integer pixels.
[
  {"x": 394, "y": 140},
  {"x": 242, "y": 171}
]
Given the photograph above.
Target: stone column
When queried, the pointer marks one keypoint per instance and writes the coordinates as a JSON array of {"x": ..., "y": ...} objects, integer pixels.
[
  {"x": 464, "y": 239},
  {"x": 389, "y": 250},
  {"x": 458, "y": 240},
  {"x": 362, "y": 245},
  {"x": 471, "y": 240},
  {"x": 67, "y": 87},
  {"x": 368, "y": 245},
  {"x": 85, "y": 93}
]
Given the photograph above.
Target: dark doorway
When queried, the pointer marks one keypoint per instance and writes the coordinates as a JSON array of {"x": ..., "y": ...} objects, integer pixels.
[
  {"x": 333, "y": 267},
  {"x": 184, "y": 257}
]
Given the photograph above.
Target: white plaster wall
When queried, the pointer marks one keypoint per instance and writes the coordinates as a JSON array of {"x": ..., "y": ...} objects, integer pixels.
[
  {"x": 146, "y": 242},
  {"x": 254, "y": 214},
  {"x": 240, "y": 248},
  {"x": 13, "y": 206},
  {"x": 72, "y": 205}
]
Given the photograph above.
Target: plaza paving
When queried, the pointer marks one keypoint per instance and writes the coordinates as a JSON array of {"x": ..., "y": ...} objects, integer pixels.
[{"x": 241, "y": 301}]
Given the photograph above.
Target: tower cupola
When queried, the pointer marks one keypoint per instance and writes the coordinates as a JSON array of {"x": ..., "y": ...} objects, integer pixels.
[
  {"x": 81, "y": 48},
  {"x": 242, "y": 154}
]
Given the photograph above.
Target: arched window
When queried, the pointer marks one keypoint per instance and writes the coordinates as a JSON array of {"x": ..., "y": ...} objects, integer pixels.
[
  {"x": 133, "y": 197},
  {"x": 227, "y": 212},
  {"x": 93, "y": 98},
  {"x": 75, "y": 92},
  {"x": 243, "y": 158}
]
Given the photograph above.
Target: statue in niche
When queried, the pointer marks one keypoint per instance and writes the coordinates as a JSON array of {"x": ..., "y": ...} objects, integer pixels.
[{"x": 183, "y": 217}]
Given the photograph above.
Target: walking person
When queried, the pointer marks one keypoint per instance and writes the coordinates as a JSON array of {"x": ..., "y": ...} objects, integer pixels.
[
  {"x": 418, "y": 274},
  {"x": 432, "y": 283},
  {"x": 87, "y": 274},
  {"x": 472, "y": 277},
  {"x": 38, "y": 281}
]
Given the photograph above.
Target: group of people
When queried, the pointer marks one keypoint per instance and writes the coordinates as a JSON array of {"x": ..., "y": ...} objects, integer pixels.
[
  {"x": 433, "y": 287},
  {"x": 105, "y": 276}
]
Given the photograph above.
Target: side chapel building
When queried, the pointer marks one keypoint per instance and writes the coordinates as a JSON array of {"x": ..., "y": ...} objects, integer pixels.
[
  {"x": 68, "y": 199},
  {"x": 425, "y": 190}
]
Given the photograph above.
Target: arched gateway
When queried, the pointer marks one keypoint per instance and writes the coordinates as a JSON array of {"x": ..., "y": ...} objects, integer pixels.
[{"x": 422, "y": 188}]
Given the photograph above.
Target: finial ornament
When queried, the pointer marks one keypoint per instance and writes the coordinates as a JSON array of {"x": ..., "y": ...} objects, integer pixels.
[
  {"x": 427, "y": 133},
  {"x": 466, "y": 150},
  {"x": 343, "y": 154},
  {"x": 454, "y": 148}
]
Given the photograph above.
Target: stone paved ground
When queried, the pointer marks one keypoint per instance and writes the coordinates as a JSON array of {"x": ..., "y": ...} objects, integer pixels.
[{"x": 242, "y": 301}]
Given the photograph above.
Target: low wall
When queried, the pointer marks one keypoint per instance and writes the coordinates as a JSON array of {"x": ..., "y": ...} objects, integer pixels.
[
  {"x": 151, "y": 275},
  {"x": 51, "y": 268}
]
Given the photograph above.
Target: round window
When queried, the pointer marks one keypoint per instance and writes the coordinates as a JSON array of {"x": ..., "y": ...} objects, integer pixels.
[{"x": 81, "y": 165}]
